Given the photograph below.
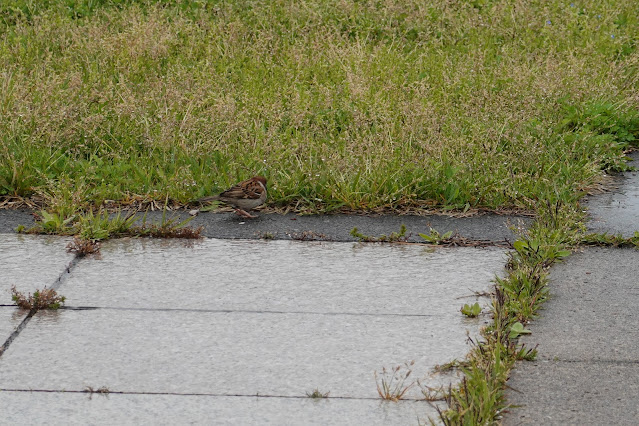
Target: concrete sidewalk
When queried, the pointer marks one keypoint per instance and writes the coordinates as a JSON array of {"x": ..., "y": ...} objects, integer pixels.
[
  {"x": 238, "y": 331},
  {"x": 587, "y": 371}
]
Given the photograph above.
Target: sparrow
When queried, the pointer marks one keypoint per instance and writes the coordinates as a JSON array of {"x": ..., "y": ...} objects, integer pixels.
[{"x": 246, "y": 195}]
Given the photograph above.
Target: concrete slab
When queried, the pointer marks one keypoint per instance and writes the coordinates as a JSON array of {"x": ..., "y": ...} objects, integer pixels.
[
  {"x": 338, "y": 227},
  {"x": 588, "y": 345},
  {"x": 592, "y": 313},
  {"x": 11, "y": 219},
  {"x": 320, "y": 227},
  {"x": 186, "y": 317},
  {"x": 223, "y": 353},
  {"x": 69, "y": 408},
  {"x": 31, "y": 262},
  {"x": 574, "y": 393},
  {"x": 10, "y": 318},
  {"x": 322, "y": 277},
  {"x": 617, "y": 212}
]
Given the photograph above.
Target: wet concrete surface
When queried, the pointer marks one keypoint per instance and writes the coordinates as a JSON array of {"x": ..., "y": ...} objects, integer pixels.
[
  {"x": 338, "y": 227},
  {"x": 199, "y": 409},
  {"x": 10, "y": 319},
  {"x": 588, "y": 362},
  {"x": 227, "y": 225},
  {"x": 617, "y": 211},
  {"x": 282, "y": 355},
  {"x": 230, "y": 319},
  {"x": 282, "y": 276},
  {"x": 591, "y": 393},
  {"x": 31, "y": 262},
  {"x": 11, "y": 219}
]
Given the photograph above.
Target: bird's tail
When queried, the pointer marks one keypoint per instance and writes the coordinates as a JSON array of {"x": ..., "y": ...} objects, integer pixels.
[{"x": 209, "y": 198}]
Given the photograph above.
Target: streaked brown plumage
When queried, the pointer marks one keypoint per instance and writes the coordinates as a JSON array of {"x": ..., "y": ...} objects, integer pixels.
[{"x": 244, "y": 196}]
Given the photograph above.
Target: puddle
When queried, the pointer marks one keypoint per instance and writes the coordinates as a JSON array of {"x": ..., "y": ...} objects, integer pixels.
[{"x": 617, "y": 211}]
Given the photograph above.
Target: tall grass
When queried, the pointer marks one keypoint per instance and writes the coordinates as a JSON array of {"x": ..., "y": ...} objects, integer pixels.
[{"x": 361, "y": 105}]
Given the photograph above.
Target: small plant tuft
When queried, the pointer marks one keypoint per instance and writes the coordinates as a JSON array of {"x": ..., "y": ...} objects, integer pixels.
[
  {"x": 392, "y": 238},
  {"x": 471, "y": 311},
  {"x": 316, "y": 394},
  {"x": 526, "y": 354},
  {"x": 606, "y": 240},
  {"x": 392, "y": 384},
  {"x": 46, "y": 298},
  {"x": 308, "y": 236},
  {"x": 434, "y": 237},
  {"x": 81, "y": 247}
]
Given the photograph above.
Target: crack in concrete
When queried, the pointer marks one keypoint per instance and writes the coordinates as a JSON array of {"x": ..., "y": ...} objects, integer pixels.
[
  {"x": 62, "y": 278},
  {"x": 592, "y": 361},
  {"x": 243, "y": 311},
  {"x": 239, "y": 395}
]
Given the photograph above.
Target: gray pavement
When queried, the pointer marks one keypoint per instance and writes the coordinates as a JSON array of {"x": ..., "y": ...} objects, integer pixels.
[
  {"x": 587, "y": 371},
  {"x": 234, "y": 331},
  {"x": 617, "y": 211},
  {"x": 336, "y": 227}
]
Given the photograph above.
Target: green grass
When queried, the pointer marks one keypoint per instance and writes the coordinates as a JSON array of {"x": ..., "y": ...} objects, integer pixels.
[{"x": 359, "y": 105}]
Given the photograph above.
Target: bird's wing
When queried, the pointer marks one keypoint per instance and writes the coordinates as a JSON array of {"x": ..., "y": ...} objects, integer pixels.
[{"x": 248, "y": 190}]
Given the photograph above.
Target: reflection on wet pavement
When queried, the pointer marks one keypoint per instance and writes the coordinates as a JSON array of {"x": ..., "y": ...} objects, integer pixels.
[
  {"x": 617, "y": 212},
  {"x": 247, "y": 317}
]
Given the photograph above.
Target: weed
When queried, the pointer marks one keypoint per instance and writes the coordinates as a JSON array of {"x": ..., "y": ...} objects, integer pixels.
[
  {"x": 451, "y": 365},
  {"x": 102, "y": 225},
  {"x": 434, "y": 237},
  {"x": 392, "y": 238},
  {"x": 266, "y": 235},
  {"x": 392, "y": 384},
  {"x": 46, "y": 298},
  {"x": 316, "y": 394},
  {"x": 471, "y": 311},
  {"x": 82, "y": 247},
  {"x": 516, "y": 330},
  {"x": 308, "y": 236},
  {"x": 432, "y": 394},
  {"x": 611, "y": 240},
  {"x": 526, "y": 354}
]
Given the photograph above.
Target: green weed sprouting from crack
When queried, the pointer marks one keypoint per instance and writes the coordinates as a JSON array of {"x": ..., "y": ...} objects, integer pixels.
[
  {"x": 434, "y": 237},
  {"x": 391, "y": 386},
  {"x": 392, "y": 238},
  {"x": 316, "y": 394},
  {"x": 449, "y": 366},
  {"x": 471, "y": 311},
  {"x": 480, "y": 398},
  {"x": 90, "y": 228},
  {"x": 606, "y": 240}
]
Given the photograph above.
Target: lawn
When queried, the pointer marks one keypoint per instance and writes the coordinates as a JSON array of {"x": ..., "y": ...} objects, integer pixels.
[{"x": 361, "y": 105}]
